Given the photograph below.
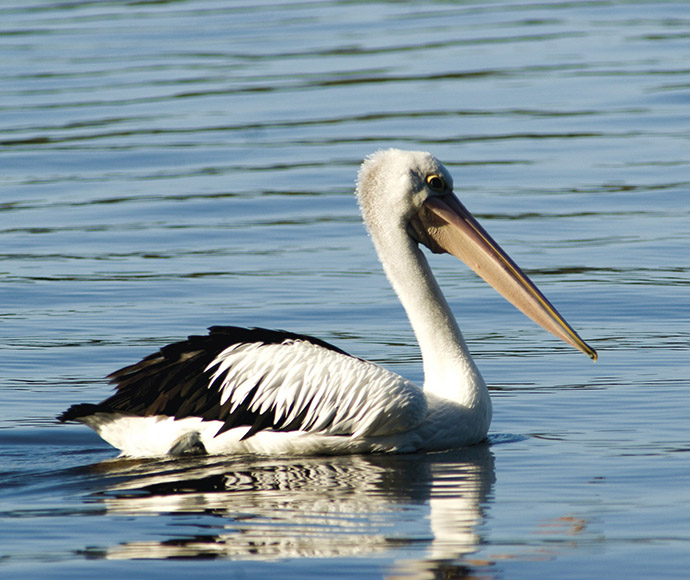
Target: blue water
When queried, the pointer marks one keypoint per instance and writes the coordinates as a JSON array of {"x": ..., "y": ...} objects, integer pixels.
[{"x": 166, "y": 166}]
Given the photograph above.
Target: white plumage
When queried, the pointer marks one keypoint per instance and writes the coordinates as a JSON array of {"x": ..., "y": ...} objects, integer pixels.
[
  {"x": 273, "y": 392},
  {"x": 335, "y": 394}
]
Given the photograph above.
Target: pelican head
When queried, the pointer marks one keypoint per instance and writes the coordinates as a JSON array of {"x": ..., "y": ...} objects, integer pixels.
[{"x": 410, "y": 194}]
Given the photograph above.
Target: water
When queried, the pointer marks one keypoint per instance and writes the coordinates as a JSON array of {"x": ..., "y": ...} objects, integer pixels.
[{"x": 167, "y": 166}]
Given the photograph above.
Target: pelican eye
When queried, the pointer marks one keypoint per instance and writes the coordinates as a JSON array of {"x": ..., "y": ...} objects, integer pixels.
[{"x": 436, "y": 182}]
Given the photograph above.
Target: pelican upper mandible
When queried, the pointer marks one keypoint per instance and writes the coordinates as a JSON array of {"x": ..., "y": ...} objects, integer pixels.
[{"x": 238, "y": 390}]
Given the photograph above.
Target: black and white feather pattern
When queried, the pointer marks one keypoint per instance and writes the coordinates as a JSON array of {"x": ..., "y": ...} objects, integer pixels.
[{"x": 264, "y": 380}]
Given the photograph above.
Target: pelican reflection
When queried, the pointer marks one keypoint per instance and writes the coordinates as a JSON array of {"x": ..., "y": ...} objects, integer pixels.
[{"x": 424, "y": 509}]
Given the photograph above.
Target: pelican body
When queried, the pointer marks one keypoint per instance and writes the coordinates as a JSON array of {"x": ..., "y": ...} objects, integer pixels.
[{"x": 259, "y": 391}]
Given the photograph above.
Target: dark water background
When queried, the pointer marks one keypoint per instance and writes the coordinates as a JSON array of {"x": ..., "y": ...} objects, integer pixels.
[{"x": 166, "y": 166}]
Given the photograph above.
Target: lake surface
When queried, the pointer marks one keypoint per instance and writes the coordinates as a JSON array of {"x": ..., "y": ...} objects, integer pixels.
[{"x": 167, "y": 166}]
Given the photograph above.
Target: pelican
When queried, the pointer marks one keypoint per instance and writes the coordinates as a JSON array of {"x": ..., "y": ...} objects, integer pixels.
[{"x": 258, "y": 391}]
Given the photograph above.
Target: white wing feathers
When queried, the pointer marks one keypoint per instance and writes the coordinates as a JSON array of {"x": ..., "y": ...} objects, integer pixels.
[{"x": 321, "y": 389}]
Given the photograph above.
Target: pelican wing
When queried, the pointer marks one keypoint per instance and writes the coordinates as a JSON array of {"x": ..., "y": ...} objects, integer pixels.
[{"x": 266, "y": 379}]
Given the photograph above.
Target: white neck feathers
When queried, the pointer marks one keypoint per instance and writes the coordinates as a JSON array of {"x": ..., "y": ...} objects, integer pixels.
[{"x": 386, "y": 199}]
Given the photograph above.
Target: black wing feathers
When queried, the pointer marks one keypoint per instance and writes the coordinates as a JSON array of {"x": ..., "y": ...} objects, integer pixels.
[{"x": 174, "y": 382}]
